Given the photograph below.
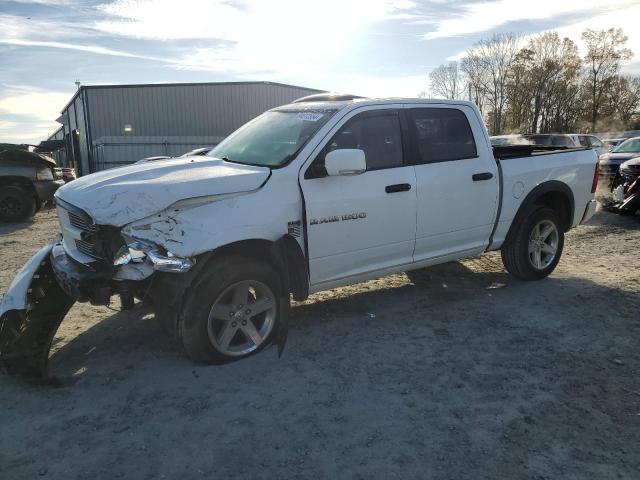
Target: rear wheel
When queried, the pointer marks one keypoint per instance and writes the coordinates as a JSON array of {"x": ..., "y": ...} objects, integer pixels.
[
  {"x": 232, "y": 312},
  {"x": 536, "y": 247},
  {"x": 16, "y": 204}
]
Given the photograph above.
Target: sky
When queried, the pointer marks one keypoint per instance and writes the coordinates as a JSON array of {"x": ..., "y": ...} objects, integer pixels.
[{"x": 366, "y": 47}]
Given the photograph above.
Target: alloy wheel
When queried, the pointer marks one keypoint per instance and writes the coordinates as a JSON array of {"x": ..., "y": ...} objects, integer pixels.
[
  {"x": 242, "y": 317},
  {"x": 543, "y": 244}
]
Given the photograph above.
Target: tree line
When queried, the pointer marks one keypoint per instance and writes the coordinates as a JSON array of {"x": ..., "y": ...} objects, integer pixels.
[{"x": 543, "y": 85}]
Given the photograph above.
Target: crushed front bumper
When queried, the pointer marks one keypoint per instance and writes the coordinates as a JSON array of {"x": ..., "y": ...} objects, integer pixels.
[
  {"x": 37, "y": 301},
  {"x": 30, "y": 314}
]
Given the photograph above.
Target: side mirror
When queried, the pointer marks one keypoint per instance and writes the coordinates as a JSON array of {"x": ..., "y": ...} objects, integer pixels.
[{"x": 346, "y": 161}]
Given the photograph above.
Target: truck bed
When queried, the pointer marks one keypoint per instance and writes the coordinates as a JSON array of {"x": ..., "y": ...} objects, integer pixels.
[{"x": 519, "y": 175}]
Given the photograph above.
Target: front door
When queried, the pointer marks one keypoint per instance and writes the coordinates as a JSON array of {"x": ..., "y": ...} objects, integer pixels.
[{"x": 358, "y": 224}]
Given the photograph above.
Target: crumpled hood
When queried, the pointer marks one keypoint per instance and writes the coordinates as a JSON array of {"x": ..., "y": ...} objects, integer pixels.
[
  {"x": 617, "y": 158},
  {"x": 122, "y": 195}
]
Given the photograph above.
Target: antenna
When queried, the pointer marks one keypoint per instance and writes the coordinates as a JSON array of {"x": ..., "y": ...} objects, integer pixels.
[{"x": 77, "y": 82}]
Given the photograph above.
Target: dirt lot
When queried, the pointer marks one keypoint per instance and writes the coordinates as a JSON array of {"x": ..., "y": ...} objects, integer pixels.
[{"x": 463, "y": 373}]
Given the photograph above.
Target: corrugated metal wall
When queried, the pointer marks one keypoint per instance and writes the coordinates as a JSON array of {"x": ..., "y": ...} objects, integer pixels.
[
  {"x": 171, "y": 118},
  {"x": 112, "y": 152},
  {"x": 183, "y": 110}
]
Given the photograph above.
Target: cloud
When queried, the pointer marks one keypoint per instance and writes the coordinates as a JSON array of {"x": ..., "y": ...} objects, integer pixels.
[
  {"x": 485, "y": 16},
  {"x": 42, "y": 104},
  {"x": 32, "y": 113},
  {"x": 278, "y": 36},
  {"x": 25, "y": 32}
]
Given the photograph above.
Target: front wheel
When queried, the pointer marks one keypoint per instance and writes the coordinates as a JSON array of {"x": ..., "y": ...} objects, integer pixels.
[
  {"x": 536, "y": 247},
  {"x": 232, "y": 311},
  {"x": 16, "y": 204}
]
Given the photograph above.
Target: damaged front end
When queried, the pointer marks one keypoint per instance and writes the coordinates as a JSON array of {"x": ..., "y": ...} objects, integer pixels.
[{"x": 88, "y": 263}]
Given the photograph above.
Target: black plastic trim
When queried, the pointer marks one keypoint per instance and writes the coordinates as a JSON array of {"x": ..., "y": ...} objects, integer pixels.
[{"x": 533, "y": 196}]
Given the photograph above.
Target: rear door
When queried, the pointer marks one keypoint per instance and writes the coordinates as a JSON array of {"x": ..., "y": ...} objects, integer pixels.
[
  {"x": 357, "y": 224},
  {"x": 457, "y": 181}
]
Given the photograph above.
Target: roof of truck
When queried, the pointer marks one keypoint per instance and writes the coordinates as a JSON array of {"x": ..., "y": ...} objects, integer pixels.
[{"x": 341, "y": 103}]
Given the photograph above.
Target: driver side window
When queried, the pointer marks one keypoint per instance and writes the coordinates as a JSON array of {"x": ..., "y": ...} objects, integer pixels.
[{"x": 378, "y": 134}]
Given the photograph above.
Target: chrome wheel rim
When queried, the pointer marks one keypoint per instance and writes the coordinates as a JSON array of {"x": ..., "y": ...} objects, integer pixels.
[
  {"x": 543, "y": 244},
  {"x": 241, "y": 318}
]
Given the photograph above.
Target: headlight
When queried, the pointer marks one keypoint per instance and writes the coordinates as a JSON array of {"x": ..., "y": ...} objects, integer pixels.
[
  {"x": 44, "y": 173},
  {"x": 139, "y": 251}
]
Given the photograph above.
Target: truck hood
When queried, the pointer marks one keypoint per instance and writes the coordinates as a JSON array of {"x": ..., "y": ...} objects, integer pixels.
[{"x": 122, "y": 195}]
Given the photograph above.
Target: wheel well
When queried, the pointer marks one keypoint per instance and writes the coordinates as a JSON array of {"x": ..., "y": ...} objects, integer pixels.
[
  {"x": 15, "y": 181},
  {"x": 281, "y": 255},
  {"x": 552, "y": 194},
  {"x": 559, "y": 202},
  {"x": 256, "y": 248}
]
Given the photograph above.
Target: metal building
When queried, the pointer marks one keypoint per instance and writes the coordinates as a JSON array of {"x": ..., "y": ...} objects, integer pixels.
[{"x": 104, "y": 126}]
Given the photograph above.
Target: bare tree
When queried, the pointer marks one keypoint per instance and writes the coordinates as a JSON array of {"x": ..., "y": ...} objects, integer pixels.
[
  {"x": 605, "y": 53},
  {"x": 446, "y": 81},
  {"x": 489, "y": 63}
]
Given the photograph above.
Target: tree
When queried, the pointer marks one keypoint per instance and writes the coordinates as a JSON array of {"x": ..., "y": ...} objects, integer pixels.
[
  {"x": 605, "y": 53},
  {"x": 488, "y": 65},
  {"x": 446, "y": 81}
]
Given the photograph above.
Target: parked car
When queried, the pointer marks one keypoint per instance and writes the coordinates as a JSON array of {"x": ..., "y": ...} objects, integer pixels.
[
  {"x": 152, "y": 159},
  {"x": 306, "y": 197},
  {"x": 27, "y": 181},
  {"x": 626, "y": 188},
  {"x": 198, "y": 151},
  {"x": 68, "y": 174},
  {"x": 560, "y": 140},
  {"x": 610, "y": 162},
  {"x": 591, "y": 141},
  {"x": 611, "y": 143},
  {"x": 514, "y": 139}
]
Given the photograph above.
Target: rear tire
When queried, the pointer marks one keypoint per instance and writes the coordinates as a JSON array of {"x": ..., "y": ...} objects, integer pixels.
[
  {"x": 16, "y": 204},
  {"x": 536, "y": 247},
  {"x": 232, "y": 310}
]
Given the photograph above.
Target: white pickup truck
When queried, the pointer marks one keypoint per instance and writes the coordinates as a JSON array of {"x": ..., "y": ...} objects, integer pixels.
[{"x": 324, "y": 192}]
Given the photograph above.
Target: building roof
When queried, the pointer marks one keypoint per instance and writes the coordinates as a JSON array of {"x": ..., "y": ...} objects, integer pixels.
[{"x": 179, "y": 84}]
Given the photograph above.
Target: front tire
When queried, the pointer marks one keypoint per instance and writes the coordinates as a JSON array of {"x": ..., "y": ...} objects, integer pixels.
[
  {"x": 536, "y": 248},
  {"x": 232, "y": 310},
  {"x": 16, "y": 204}
]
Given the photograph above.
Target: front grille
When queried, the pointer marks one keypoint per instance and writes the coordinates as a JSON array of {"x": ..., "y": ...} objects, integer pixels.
[
  {"x": 81, "y": 222},
  {"x": 87, "y": 248},
  {"x": 78, "y": 232}
]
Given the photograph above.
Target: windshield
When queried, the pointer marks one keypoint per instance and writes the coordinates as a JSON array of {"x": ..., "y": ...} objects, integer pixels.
[
  {"x": 629, "y": 146},
  {"x": 272, "y": 139}
]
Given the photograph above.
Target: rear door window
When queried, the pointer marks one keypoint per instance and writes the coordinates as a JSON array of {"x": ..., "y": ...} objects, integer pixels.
[{"x": 442, "y": 134}]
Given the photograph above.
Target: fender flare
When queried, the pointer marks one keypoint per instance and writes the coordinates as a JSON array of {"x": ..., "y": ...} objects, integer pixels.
[
  {"x": 551, "y": 186},
  {"x": 293, "y": 265}
]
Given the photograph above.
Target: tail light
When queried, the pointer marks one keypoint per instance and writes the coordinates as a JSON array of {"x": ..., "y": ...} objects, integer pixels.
[
  {"x": 44, "y": 173},
  {"x": 596, "y": 177}
]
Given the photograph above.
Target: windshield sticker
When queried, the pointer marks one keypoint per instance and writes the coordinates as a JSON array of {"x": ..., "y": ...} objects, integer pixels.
[{"x": 310, "y": 116}]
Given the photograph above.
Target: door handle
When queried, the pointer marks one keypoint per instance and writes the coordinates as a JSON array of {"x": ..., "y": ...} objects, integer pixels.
[
  {"x": 399, "y": 187},
  {"x": 482, "y": 176}
]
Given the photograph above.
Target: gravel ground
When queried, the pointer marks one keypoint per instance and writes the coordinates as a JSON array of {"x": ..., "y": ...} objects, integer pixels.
[{"x": 459, "y": 372}]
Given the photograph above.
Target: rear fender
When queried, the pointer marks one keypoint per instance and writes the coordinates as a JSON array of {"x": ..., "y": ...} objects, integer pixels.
[{"x": 30, "y": 315}]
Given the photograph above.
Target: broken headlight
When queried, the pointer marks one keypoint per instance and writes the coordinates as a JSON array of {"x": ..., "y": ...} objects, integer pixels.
[{"x": 139, "y": 251}]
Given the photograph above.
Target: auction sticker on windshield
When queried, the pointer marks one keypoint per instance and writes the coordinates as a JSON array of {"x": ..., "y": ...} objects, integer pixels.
[{"x": 310, "y": 116}]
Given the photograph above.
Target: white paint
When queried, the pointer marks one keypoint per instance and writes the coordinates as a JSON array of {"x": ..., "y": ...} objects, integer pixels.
[
  {"x": 16, "y": 296},
  {"x": 122, "y": 195}
]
